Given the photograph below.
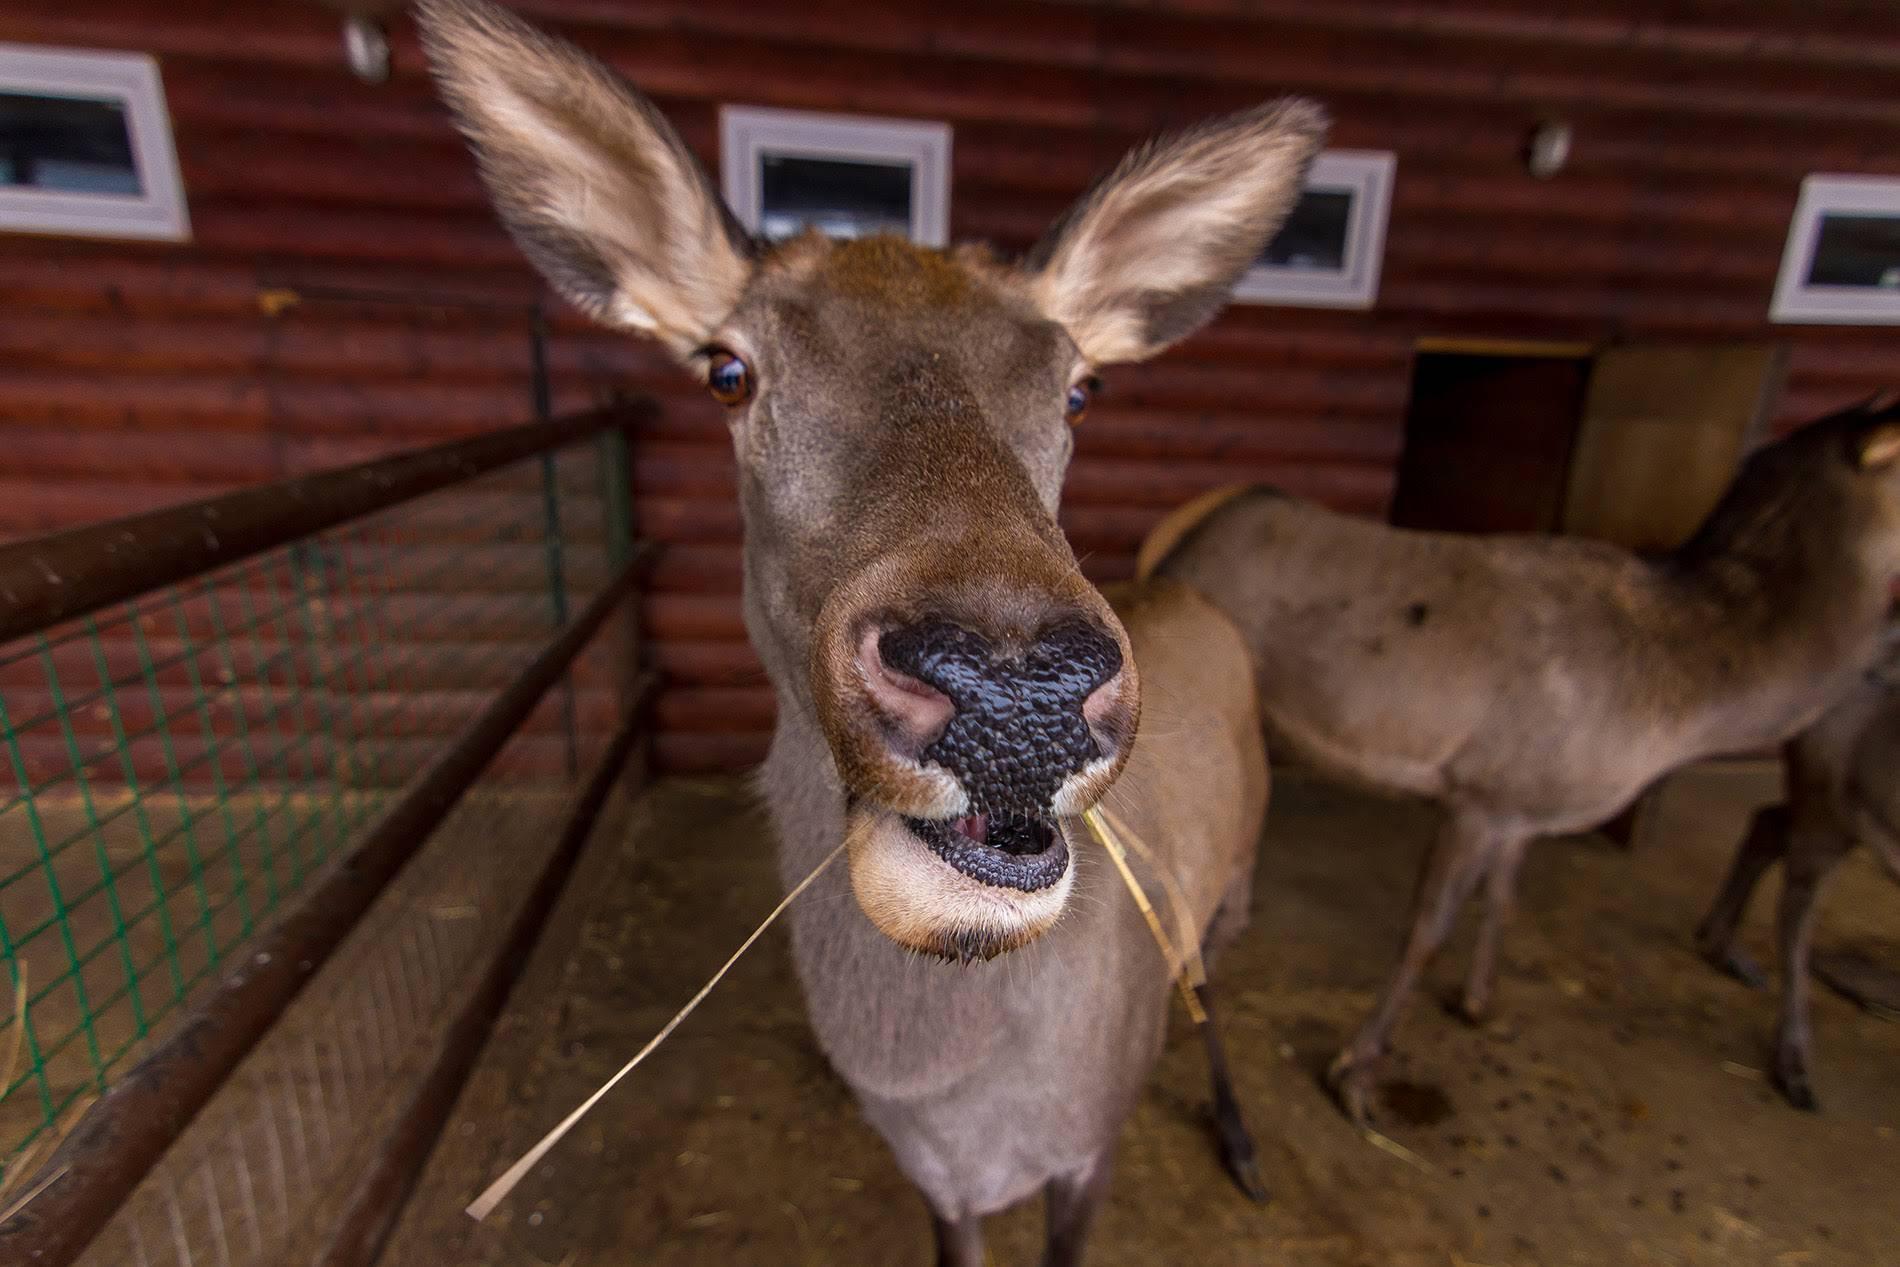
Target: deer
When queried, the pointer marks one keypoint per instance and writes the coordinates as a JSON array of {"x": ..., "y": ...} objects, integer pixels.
[
  {"x": 1842, "y": 779},
  {"x": 1535, "y": 685},
  {"x": 952, "y": 693}
]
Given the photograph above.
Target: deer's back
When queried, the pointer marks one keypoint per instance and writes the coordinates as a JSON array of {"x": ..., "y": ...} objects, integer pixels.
[{"x": 1555, "y": 675}]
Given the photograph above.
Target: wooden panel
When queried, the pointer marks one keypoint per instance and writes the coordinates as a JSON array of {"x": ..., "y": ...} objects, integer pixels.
[
  {"x": 1663, "y": 430},
  {"x": 133, "y": 375},
  {"x": 1487, "y": 448}
]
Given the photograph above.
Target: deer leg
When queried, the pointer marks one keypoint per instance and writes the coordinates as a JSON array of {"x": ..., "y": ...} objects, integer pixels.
[
  {"x": 1811, "y": 857},
  {"x": 1870, "y": 985},
  {"x": 1765, "y": 843},
  {"x": 1460, "y": 855},
  {"x": 1230, "y": 1125},
  {"x": 1500, "y": 904},
  {"x": 959, "y": 1240},
  {"x": 1072, "y": 1202},
  {"x": 1886, "y": 846}
]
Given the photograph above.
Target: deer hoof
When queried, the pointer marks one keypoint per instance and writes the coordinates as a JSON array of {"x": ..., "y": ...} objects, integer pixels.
[
  {"x": 1352, "y": 1081},
  {"x": 1246, "y": 1173},
  {"x": 1237, "y": 1153},
  {"x": 1791, "y": 1076},
  {"x": 1733, "y": 963}
]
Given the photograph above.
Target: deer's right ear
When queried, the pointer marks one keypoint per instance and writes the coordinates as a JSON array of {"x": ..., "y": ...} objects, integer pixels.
[{"x": 591, "y": 181}]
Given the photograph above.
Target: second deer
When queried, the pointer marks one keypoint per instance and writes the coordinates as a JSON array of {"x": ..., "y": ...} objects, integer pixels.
[
  {"x": 1535, "y": 685},
  {"x": 1843, "y": 791}
]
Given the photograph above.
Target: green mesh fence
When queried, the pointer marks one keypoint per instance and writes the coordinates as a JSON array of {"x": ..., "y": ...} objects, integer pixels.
[{"x": 176, "y": 770}]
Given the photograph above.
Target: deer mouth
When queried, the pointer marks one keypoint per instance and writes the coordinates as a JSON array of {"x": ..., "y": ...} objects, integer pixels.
[
  {"x": 1018, "y": 852},
  {"x": 965, "y": 889}
]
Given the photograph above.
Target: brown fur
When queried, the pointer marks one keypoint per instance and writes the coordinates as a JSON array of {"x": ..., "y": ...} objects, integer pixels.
[
  {"x": 1073, "y": 1020},
  {"x": 1178, "y": 523},
  {"x": 1843, "y": 791},
  {"x": 901, "y": 457},
  {"x": 1535, "y": 685}
]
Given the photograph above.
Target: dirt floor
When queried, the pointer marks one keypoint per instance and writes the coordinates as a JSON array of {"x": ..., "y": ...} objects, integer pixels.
[{"x": 1616, "y": 1113}]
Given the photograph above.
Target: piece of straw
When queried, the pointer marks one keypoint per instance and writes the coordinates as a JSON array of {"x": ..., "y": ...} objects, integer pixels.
[
  {"x": 493, "y": 1195},
  {"x": 1386, "y": 1144},
  {"x": 1183, "y": 913},
  {"x": 22, "y": 1165},
  {"x": 25, "y": 1198},
  {"x": 19, "y": 1033},
  {"x": 1106, "y": 835}
]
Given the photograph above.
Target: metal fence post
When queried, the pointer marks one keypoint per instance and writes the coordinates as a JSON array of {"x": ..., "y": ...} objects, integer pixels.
[{"x": 543, "y": 393}]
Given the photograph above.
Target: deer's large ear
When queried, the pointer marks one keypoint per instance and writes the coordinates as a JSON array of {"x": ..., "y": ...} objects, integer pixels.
[
  {"x": 591, "y": 181},
  {"x": 1152, "y": 251}
]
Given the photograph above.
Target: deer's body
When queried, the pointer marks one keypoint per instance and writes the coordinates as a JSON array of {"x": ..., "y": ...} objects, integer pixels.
[
  {"x": 953, "y": 694},
  {"x": 994, "y": 1080},
  {"x": 1533, "y": 685},
  {"x": 1843, "y": 791},
  {"x": 1551, "y": 678}
]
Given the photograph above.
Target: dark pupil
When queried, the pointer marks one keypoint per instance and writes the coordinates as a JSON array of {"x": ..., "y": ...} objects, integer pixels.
[
  {"x": 728, "y": 376},
  {"x": 1078, "y": 400}
]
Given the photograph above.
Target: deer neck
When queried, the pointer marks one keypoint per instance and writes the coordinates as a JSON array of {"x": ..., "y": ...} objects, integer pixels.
[
  {"x": 1792, "y": 576},
  {"x": 1788, "y": 609},
  {"x": 896, "y": 1026}
]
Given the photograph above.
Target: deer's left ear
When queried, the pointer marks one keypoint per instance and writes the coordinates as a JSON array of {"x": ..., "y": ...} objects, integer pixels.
[{"x": 1153, "y": 251}]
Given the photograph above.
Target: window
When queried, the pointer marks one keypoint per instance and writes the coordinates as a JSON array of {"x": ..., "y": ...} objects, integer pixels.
[
  {"x": 1842, "y": 262},
  {"x": 1327, "y": 254},
  {"x": 784, "y": 170},
  {"x": 86, "y": 145}
]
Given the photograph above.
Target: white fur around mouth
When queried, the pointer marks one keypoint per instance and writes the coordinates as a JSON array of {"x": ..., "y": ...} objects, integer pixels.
[{"x": 920, "y": 900}]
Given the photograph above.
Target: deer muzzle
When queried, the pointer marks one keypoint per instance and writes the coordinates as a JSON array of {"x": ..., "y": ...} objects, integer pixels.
[{"x": 969, "y": 734}]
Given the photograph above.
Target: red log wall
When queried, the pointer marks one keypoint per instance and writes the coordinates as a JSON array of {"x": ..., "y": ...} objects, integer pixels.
[{"x": 134, "y": 375}]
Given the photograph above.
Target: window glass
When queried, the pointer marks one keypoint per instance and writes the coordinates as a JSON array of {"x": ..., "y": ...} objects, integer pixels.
[
  {"x": 1316, "y": 233},
  {"x": 839, "y": 197},
  {"x": 1857, "y": 250},
  {"x": 69, "y": 144}
]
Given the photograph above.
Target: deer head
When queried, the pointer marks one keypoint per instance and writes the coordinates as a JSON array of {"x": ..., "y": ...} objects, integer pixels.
[
  {"x": 1873, "y": 451},
  {"x": 1824, "y": 499},
  {"x": 901, "y": 418}
]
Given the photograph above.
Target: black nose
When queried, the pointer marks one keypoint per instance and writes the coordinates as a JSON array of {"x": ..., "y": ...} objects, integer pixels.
[{"x": 1018, "y": 731}]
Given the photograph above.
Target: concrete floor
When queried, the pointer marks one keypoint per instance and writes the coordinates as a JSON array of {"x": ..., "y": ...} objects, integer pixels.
[{"x": 1615, "y": 1113}]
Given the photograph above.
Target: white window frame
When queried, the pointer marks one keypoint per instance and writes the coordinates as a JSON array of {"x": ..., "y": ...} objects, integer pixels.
[
  {"x": 748, "y": 133},
  {"x": 133, "y": 80},
  {"x": 1367, "y": 175},
  {"x": 1796, "y": 301}
]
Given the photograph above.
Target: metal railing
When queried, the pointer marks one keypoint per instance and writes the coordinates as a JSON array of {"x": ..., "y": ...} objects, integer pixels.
[{"x": 225, "y": 729}]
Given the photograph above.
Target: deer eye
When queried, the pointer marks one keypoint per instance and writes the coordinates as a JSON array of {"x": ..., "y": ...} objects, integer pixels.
[
  {"x": 1078, "y": 403},
  {"x": 729, "y": 379}
]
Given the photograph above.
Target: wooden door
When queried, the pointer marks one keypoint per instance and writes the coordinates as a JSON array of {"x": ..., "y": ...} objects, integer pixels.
[
  {"x": 1488, "y": 439},
  {"x": 1664, "y": 426}
]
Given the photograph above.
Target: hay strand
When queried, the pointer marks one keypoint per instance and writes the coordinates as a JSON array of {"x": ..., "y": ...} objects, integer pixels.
[
  {"x": 1183, "y": 914},
  {"x": 47, "y": 1140},
  {"x": 493, "y": 1195},
  {"x": 1386, "y": 1144},
  {"x": 26, "y": 1198},
  {"x": 19, "y": 1032},
  {"x": 1105, "y": 834}
]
